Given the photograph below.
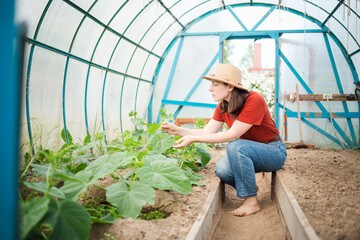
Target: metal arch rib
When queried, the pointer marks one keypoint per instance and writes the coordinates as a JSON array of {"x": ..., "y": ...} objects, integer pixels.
[
  {"x": 332, "y": 12},
  {"x": 107, "y": 27},
  {"x": 177, "y": 20}
]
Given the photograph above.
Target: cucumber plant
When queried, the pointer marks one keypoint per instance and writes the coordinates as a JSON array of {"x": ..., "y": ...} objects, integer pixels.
[{"x": 147, "y": 162}]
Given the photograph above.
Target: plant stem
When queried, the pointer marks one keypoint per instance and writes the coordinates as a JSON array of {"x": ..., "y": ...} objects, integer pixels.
[
  {"x": 119, "y": 174},
  {"x": 27, "y": 167},
  {"x": 100, "y": 187}
]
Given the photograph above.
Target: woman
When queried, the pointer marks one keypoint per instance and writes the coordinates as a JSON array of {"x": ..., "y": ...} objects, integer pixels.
[{"x": 254, "y": 141}]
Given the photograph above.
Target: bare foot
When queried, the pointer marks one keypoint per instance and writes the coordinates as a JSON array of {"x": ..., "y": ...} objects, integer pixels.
[{"x": 250, "y": 206}]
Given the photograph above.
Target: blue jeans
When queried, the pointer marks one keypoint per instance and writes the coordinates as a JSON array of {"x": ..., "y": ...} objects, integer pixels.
[{"x": 244, "y": 159}]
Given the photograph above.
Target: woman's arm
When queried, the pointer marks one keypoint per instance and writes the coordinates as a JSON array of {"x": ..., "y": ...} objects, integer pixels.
[
  {"x": 236, "y": 131},
  {"x": 212, "y": 127}
]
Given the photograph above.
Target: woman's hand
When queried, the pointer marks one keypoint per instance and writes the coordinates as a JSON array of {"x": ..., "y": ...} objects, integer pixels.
[
  {"x": 170, "y": 128},
  {"x": 184, "y": 142}
]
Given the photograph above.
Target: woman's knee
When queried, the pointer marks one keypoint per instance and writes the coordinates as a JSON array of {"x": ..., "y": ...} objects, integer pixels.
[{"x": 223, "y": 168}]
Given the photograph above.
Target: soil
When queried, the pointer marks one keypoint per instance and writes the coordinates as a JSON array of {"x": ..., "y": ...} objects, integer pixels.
[
  {"x": 325, "y": 182},
  {"x": 182, "y": 210}
]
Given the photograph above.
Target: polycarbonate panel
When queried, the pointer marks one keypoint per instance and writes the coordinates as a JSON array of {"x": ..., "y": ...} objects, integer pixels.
[
  {"x": 280, "y": 19},
  {"x": 75, "y": 99},
  {"x": 84, "y": 4},
  {"x": 45, "y": 97},
  {"x": 143, "y": 98},
  {"x": 122, "y": 56},
  {"x": 135, "y": 65},
  {"x": 356, "y": 60},
  {"x": 104, "y": 10},
  {"x": 166, "y": 38},
  {"x": 196, "y": 9},
  {"x": 85, "y": 43},
  {"x": 59, "y": 25},
  {"x": 150, "y": 67},
  {"x": 127, "y": 14},
  {"x": 341, "y": 33},
  {"x": 218, "y": 22},
  {"x": 29, "y": 13},
  {"x": 128, "y": 102},
  {"x": 345, "y": 75},
  {"x": 94, "y": 96},
  {"x": 144, "y": 22},
  {"x": 161, "y": 81},
  {"x": 155, "y": 32},
  {"x": 112, "y": 105},
  {"x": 195, "y": 112},
  {"x": 250, "y": 16},
  {"x": 194, "y": 58},
  {"x": 105, "y": 48}
]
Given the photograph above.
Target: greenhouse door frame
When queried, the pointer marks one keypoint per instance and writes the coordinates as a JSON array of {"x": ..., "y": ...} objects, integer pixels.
[{"x": 256, "y": 36}]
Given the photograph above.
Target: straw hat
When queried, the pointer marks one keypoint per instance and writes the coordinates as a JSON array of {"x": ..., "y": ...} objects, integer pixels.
[{"x": 226, "y": 73}]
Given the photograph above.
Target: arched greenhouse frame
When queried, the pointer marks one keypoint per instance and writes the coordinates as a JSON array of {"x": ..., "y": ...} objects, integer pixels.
[{"x": 85, "y": 65}]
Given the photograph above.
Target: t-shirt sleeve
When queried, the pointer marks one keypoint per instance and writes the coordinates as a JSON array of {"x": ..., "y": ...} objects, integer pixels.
[
  {"x": 253, "y": 111},
  {"x": 217, "y": 115}
]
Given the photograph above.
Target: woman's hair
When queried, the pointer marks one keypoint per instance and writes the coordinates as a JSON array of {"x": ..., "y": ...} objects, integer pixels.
[{"x": 234, "y": 106}]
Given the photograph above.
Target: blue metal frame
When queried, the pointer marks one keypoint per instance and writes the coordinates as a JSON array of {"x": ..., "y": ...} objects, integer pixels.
[
  {"x": 319, "y": 104},
  {"x": 274, "y": 34},
  {"x": 196, "y": 85},
  {"x": 173, "y": 67},
  {"x": 10, "y": 120},
  {"x": 338, "y": 82},
  {"x": 186, "y": 103},
  {"x": 236, "y": 17}
]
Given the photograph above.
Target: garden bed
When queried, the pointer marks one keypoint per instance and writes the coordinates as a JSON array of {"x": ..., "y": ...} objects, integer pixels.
[
  {"x": 182, "y": 210},
  {"x": 325, "y": 183}
]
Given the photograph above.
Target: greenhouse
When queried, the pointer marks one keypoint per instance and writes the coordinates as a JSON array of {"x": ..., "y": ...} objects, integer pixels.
[{"x": 89, "y": 83}]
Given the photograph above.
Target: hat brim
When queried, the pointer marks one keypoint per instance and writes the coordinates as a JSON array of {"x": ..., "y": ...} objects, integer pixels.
[{"x": 224, "y": 81}]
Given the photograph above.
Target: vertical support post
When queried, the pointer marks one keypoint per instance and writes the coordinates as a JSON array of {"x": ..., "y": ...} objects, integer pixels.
[
  {"x": 273, "y": 182},
  {"x": 9, "y": 125},
  {"x": 277, "y": 82}
]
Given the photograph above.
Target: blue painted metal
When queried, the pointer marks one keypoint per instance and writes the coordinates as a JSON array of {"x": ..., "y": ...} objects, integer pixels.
[
  {"x": 65, "y": 71},
  {"x": 72, "y": 56},
  {"x": 289, "y": 112},
  {"x": 338, "y": 82},
  {"x": 307, "y": 88},
  {"x": 10, "y": 121},
  {"x": 173, "y": 67},
  {"x": 324, "y": 115},
  {"x": 63, "y": 100},
  {"x": 107, "y": 27},
  {"x": 27, "y": 84},
  {"x": 333, "y": 11},
  {"x": 251, "y": 34},
  {"x": 263, "y": 18},
  {"x": 236, "y": 17},
  {"x": 191, "y": 104},
  {"x": 196, "y": 85},
  {"x": 277, "y": 82},
  {"x": 355, "y": 52}
]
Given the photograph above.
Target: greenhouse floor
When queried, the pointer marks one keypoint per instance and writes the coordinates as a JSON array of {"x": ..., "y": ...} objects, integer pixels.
[{"x": 325, "y": 183}]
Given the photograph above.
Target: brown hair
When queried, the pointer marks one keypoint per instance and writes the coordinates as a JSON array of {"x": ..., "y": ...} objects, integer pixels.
[{"x": 234, "y": 106}]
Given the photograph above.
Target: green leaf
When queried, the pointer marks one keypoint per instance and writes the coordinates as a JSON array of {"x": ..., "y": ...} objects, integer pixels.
[
  {"x": 87, "y": 139},
  {"x": 129, "y": 202},
  {"x": 68, "y": 220},
  {"x": 90, "y": 145},
  {"x": 204, "y": 155},
  {"x": 32, "y": 212},
  {"x": 194, "y": 179},
  {"x": 153, "y": 128},
  {"x": 109, "y": 218},
  {"x": 158, "y": 157},
  {"x": 165, "y": 176},
  {"x": 161, "y": 142},
  {"x": 64, "y": 137},
  {"x": 42, "y": 187},
  {"x": 106, "y": 164},
  {"x": 73, "y": 189},
  {"x": 59, "y": 173}
]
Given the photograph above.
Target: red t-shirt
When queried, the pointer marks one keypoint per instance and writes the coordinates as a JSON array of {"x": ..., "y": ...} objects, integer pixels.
[{"x": 255, "y": 112}]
